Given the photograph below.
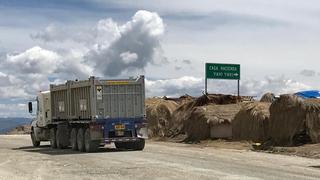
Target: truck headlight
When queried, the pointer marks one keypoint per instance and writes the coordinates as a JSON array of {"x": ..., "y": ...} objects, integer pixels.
[{"x": 142, "y": 132}]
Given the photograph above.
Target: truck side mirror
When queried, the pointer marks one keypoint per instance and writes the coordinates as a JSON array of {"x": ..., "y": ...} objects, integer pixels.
[{"x": 30, "y": 107}]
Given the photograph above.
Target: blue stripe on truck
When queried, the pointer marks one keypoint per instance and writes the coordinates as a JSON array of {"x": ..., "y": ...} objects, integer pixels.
[{"x": 109, "y": 124}]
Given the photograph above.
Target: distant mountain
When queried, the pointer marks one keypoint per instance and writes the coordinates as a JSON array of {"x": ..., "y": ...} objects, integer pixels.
[{"x": 7, "y": 124}]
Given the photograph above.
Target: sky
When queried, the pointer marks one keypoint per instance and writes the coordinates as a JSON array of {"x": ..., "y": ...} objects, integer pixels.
[{"x": 48, "y": 42}]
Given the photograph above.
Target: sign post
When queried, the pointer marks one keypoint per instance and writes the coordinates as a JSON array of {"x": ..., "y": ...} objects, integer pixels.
[{"x": 222, "y": 71}]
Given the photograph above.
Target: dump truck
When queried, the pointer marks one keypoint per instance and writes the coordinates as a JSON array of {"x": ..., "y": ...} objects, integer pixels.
[{"x": 89, "y": 113}]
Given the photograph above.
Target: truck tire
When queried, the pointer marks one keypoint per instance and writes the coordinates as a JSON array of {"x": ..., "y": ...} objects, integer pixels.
[
  {"x": 62, "y": 138},
  {"x": 73, "y": 139},
  {"x": 53, "y": 141},
  {"x": 80, "y": 139},
  {"x": 90, "y": 145},
  {"x": 35, "y": 143},
  {"x": 139, "y": 145},
  {"x": 121, "y": 145}
]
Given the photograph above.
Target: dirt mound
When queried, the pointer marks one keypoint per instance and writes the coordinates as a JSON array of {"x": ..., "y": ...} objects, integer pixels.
[
  {"x": 252, "y": 122},
  {"x": 312, "y": 107},
  {"x": 23, "y": 129},
  {"x": 159, "y": 113},
  {"x": 287, "y": 120},
  {"x": 268, "y": 97},
  {"x": 192, "y": 121}
]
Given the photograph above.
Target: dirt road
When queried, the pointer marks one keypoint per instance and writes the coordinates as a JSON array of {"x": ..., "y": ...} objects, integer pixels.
[{"x": 159, "y": 160}]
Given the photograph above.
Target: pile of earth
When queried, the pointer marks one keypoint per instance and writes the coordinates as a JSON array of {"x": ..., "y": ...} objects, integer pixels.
[{"x": 23, "y": 129}]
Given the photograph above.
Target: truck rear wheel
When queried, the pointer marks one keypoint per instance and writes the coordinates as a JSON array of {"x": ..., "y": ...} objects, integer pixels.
[
  {"x": 35, "y": 143},
  {"x": 80, "y": 139},
  {"x": 73, "y": 139},
  {"x": 121, "y": 145},
  {"x": 53, "y": 141},
  {"x": 90, "y": 145},
  {"x": 137, "y": 145},
  {"x": 62, "y": 138}
]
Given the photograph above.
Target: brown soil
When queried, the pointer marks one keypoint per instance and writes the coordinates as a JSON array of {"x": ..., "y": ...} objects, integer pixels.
[{"x": 306, "y": 150}]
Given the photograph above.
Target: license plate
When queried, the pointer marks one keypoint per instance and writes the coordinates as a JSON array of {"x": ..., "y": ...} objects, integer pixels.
[
  {"x": 119, "y": 133},
  {"x": 119, "y": 127}
]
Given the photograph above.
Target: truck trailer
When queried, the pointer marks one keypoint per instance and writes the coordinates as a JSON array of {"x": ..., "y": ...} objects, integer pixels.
[{"x": 89, "y": 113}]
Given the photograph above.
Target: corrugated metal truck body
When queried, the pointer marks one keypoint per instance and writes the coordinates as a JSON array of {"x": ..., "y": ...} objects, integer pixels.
[{"x": 95, "y": 99}]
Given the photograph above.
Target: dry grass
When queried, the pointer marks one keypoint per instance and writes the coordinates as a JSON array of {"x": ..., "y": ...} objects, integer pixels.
[{"x": 252, "y": 122}]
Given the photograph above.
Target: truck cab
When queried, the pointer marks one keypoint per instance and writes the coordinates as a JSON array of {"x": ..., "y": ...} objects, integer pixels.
[{"x": 39, "y": 125}]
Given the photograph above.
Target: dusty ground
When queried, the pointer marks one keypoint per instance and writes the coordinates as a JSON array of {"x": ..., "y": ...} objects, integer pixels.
[
  {"x": 307, "y": 150},
  {"x": 159, "y": 160}
]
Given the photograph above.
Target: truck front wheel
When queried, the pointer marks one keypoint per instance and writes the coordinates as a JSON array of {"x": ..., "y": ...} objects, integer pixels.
[
  {"x": 35, "y": 143},
  {"x": 90, "y": 145},
  {"x": 53, "y": 141},
  {"x": 80, "y": 140}
]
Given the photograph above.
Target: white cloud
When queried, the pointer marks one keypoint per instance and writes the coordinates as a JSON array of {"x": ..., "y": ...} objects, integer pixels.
[
  {"x": 277, "y": 85},
  {"x": 195, "y": 86},
  {"x": 174, "y": 87},
  {"x": 35, "y": 60},
  {"x": 26, "y": 73},
  {"x": 107, "y": 49},
  {"x": 140, "y": 36},
  {"x": 16, "y": 110},
  {"x": 113, "y": 49},
  {"x": 308, "y": 72},
  {"x": 128, "y": 57}
]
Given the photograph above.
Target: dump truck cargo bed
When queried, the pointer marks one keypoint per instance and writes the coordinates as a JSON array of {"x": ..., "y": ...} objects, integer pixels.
[{"x": 96, "y": 99}]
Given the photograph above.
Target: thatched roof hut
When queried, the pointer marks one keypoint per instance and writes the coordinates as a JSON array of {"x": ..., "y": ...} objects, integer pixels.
[
  {"x": 252, "y": 122},
  {"x": 287, "y": 119},
  {"x": 194, "y": 120},
  {"x": 159, "y": 113},
  {"x": 312, "y": 107}
]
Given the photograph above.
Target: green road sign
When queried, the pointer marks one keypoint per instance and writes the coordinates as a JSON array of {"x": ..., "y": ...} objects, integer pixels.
[{"x": 222, "y": 71}]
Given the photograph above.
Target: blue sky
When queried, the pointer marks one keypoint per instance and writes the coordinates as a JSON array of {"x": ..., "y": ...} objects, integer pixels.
[{"x": 276, "y": 43}]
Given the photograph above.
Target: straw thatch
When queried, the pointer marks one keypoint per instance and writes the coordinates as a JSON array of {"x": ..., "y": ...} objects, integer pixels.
[
  {"x": 312, "y": 107},
  {"x": 268, "y": 97},
  {"x": 252, "y": 122},
  {"x": 287, "y": 119},
  {"x": 181, "y": 100},
  {"x": 159, "y": 113},
  {"x": 221, "y": 114},
  {"x": 194, "y": 119}
]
